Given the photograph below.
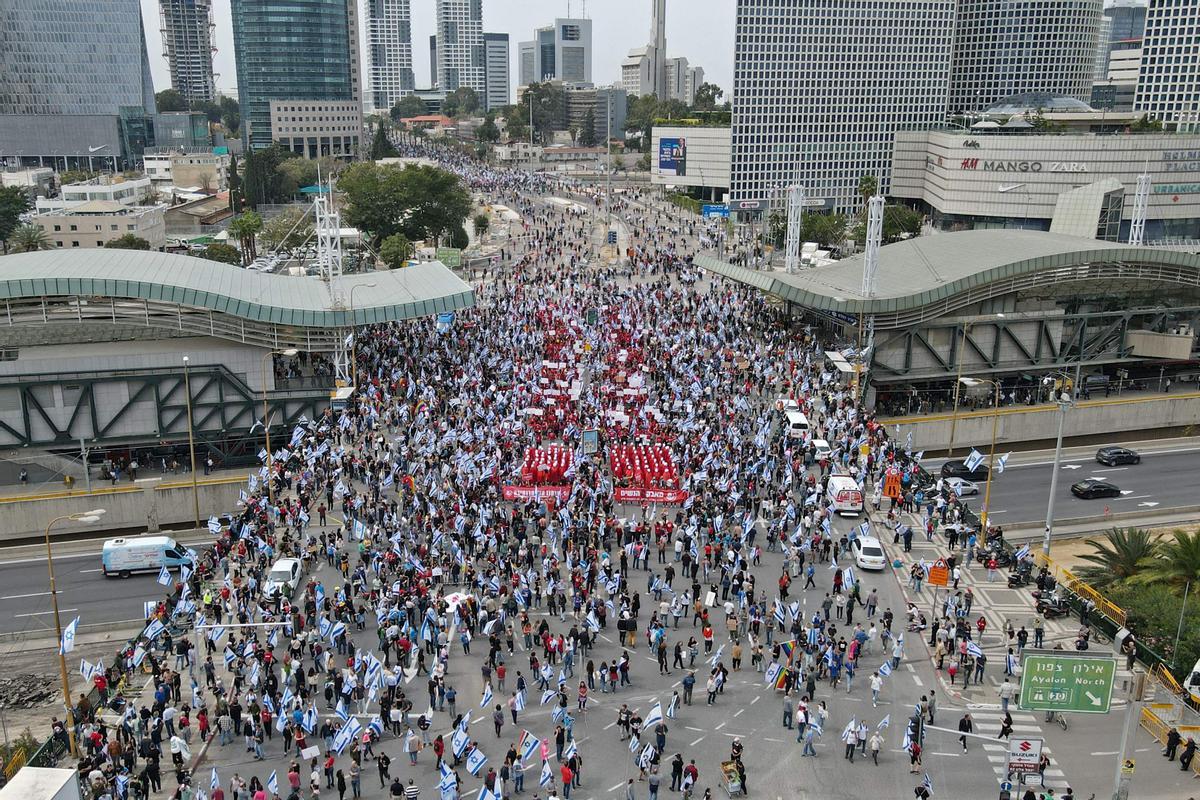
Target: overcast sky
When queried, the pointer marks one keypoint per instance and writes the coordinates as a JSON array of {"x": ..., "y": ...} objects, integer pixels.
[{"x": 701, "y": 30}]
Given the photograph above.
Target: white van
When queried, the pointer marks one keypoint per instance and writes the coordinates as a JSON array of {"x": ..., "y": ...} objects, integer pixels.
[
  {"x": 844, "y": 495},
  {"x": 142, "y": 554},
  {"x": 797, "y": 424}
]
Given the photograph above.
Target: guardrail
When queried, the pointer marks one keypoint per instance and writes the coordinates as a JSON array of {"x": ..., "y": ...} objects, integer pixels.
[
  {"x": 1158, "y": 727},
  {"x": 1070, "y": 582}
]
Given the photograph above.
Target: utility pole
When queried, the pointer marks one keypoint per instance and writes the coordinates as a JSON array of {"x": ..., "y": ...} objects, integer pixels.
[{"x": 1133, "y": 715}]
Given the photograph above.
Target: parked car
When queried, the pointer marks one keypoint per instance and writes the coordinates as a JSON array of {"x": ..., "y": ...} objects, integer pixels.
[
  {"x": 962, "y": 487},
  {"x": 958, "y": 469},
  {"x": 1113, "y": 455},
  {"x": 1092, "y": 488}
]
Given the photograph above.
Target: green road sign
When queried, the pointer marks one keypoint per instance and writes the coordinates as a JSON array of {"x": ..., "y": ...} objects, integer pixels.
[
  {"x": 450, "y": 256},
  {"x": 1078, "y": 684}
]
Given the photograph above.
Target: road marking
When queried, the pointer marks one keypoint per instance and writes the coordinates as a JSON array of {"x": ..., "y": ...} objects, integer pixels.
[
  {"x": 916, "y": 679},
  {"x": 86, "y": 571},
  {"x": 722, "y": 725},
  {"x": 951, "y": 755},
  {"x": 1111, "y": 469},
  {"x": 606, "y": 727},
  {"x": 690, "y": 728},
  {"x": 20, "y": 596},
  {"x": 738, "y": 713},
  {"x": 618, "y": 786},
  {"x": 698, "y": 741},
  {"x": 755, "y": 700},
  {"x": 40, "y": 613}
]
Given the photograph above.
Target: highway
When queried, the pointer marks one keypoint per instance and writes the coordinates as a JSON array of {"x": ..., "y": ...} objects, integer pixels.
[{"x": 1166, "y": 479}]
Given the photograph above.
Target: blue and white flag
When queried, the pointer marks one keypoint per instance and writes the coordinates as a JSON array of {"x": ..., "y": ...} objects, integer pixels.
[
  {"x": 779, "y": 618},
  {"x": 337, "y": 630},
  {"x": 214, "y": 781},
  {"x": 655, "y": 717},
  {"x": 673, "y": 707},
  {"x": 973, "y": 460},
  {"x": 214, "y": 525},
  {"x": 634, "y": 744},
  {"x": 883, "y": 723},
  {"x": 1020, "y": 554},
  {"x": 475, "y": 761},
  {"x": 547, "y": 774},
  {"x": 647, "y": 757},
  {"x": 164, "y": 576},
  {"x": 772, "y": 673},
  {"x": 273, "y": 783},
  {"x": 459, "y": 742},
  {"x": 519, "y": 701},
  {"x": 927, "y": 783},
  {"x": 341, "y": 711},
  {"x": 885, "y": 668},
  {"x": 547, "y": 696},
  {"x": 487, "y": 696},
  {"x": 1001, "y": 462},
  {"x": 153, "y": 630},
  {"x": 974, "y": 650}
]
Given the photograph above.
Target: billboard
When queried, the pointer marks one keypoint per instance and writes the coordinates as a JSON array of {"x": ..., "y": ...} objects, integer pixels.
[{"x": 672, "y": 157}]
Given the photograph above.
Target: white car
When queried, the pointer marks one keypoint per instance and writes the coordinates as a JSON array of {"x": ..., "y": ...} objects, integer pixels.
[
  {"x": 284, "y": 576},
  {"x": 962, "y": 487},
  {"x": 868, "y": 553},
  {"x": 823, "y": 448}
]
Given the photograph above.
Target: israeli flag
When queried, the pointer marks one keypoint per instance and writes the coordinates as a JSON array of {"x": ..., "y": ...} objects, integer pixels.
[
  {"x": 164, "y": 576},
  {"x": 779, "y": 612},
  {"x": 214, "y": 781},
  {"x": 273, "y": 783},
  {"x": 647, "y": 757},
  {"x": 1020, "y": 554},
  {"x": 885, "y": 668},
  {"x": 519, "y": 701},
  {"x": 547, "y": 696},
  {"x": 459, "y": 742},
  {"x": 230, "y": 657},
  {"x": 818, "y": 731},
  {"x": 447, "y": 783},
  {"x": 475, "y": 761},
  {"x": 712, "y": 662},
  {"x": 558, "y": 713},
  {"x": 341, "y": 711},
  {"x": 592, "y": 623},
  {"x": 572, "y": 750},
  {"x": 634, "y": 745},
  {"x": 883, "y": 723},
  {"x": 1001, "y": 462},
  {"x": 927, "y": 783},
  {"x": 529, "y": 745},
  {"x": 375, "y": 726},
  {"x": 485, "y": 793},
  {"x": 655, "y": 717},
  {"x": 152, "y": 630},
  {"x": 848, "y": 576},
  {"x": 547, "y": 774},
  {"x": 487, "y": 696},
  {"x": 772, "y": 673},
  {"x": 673, "y": 707},
  {"x": 974, "y": 460},
  {"x": 974, "y": 650},
  {"x": 336, "y": 631}
]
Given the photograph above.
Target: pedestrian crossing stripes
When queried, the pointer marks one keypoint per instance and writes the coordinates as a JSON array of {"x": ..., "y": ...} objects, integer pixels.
[{"x": 987, "y": 723}]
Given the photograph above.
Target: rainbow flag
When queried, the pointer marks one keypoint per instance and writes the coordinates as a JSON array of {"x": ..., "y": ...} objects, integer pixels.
[
  {"x": 787, "y": 648},
  {"x": 781, "y": 681}
]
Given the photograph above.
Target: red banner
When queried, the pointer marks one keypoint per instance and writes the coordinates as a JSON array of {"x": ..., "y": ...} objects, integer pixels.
[
  {"x": 559, "y": 493},
  {"x": 640, "y": 495}
]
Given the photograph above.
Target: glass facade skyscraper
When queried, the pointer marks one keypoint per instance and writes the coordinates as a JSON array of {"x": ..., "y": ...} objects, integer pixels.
[
  {"x": 73, "y": 57},
  {"x": 292, "y": 50}
]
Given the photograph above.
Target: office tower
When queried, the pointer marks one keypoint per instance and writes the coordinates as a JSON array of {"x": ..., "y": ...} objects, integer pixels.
[
  {"x": 562, "y": 51},
  {"x": 637, "y": 72},
  {"x": 186, "y": 27},
  {"x": 1103, "y": 44},
  {"x": 433, "y": 68},
  {"x": 658, "y": 43},
  {"x": 526, "y": 63},
  {"x": 74, "y": 80},
  {"x": 1169, "y": 83},
  {"x": 695, "y": 79},
  {"x": 1128, "y": 19},
  {"x": 388, "y": 53},
  {"x": 495, "y": 73},
  {"x": 683, "y": 80},
  {"x": 1002, "y": 48},
  {"x": 460, "y": 58},
  {"x": 298, "y": 74},
  {"x": 870, "y": 67}
]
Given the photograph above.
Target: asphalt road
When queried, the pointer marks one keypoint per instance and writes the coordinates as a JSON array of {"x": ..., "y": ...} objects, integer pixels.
[{"x": 1165, "y": 479}]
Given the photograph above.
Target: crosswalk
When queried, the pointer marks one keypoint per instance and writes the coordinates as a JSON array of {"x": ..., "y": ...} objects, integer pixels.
[{"x": 987, "y": 723}]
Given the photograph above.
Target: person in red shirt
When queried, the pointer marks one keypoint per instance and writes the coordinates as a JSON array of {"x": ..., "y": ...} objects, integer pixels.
[{"x": 567, "y": 777}]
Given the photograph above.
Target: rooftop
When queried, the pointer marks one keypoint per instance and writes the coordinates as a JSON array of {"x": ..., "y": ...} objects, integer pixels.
[
  {"x": 930, "y": 270},
  {"x": 417, "y": 291}
]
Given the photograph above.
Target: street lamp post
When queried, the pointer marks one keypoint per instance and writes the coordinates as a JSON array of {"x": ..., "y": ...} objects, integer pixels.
[
  {"x": 187, "y": 391},
  {"x": 289, "y": 352},
  {"x": 354, "y": 341},
  {"x": 958, "y": 380},
  {"x": 87, "y": 517},
  {"x": 1064, "y": 400}
]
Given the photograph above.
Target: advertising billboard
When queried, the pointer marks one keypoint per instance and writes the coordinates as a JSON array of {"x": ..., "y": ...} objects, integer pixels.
[{"x": 672, "y": 157}]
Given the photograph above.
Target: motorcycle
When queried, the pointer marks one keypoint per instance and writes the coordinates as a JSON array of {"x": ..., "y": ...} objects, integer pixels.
[
  {"x": 1053, "y": 607},
  {"x": 1018, "y": 578}
]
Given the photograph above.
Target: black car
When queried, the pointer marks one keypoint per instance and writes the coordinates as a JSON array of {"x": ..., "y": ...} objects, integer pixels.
[
  {"x": 1090, "y": 488},
  {"x": 958, "y": 469},
  {"x": 1112, "y": 456}
]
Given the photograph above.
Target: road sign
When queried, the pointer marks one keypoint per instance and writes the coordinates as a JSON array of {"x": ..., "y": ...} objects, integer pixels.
[
  {"x": 939, "y": 574},
  {"x": 714, "y": 210},
  {"x": 1024, "y": 755},
  {"x": 450, "y": 256},
  {"x": 1127, "y": 766},
  {"x": 891, "y": 484},
  {"x": 1075, "y": 683},
  {"x": 747, "y": 205}
]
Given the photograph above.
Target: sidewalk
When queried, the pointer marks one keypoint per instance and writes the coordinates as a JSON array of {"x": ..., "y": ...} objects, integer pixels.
[{"x": 145, "y": 476}]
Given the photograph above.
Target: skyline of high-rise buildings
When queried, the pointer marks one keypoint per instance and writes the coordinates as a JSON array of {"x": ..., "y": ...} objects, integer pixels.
[
  {"x": 186, "y": 27},
  {"x": 388, "y": 52}
]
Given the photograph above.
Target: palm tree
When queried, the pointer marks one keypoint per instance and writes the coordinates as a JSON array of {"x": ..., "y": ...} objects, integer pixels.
[
  {"x": 28, "y": 238},
  {"x": 868, "y": 185},
  {"x": 1178, "y": 561},
  {"x": 1121, "y": 554},
  {"x": 244, "y": 228}
]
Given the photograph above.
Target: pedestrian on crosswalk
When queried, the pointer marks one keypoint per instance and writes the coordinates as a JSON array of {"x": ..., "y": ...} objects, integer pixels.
[
  {"x": 1006, "y": 692},
  {"x": 1006, "y": 727},
  {"x": 965, "y": 726}
]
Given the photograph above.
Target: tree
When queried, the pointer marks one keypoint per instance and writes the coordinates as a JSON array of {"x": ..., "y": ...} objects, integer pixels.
[
  {"x": 1121, "y": 554},
  {"x": 381, "y": 145},
  {"x": 263, "y": 180},
  {"x": 868, "y": 185},
  {"x": 459, "y": 238},
  {"x": 287, "y": 231},
  {"x": 827, "y": 230},
  {"x": 1177, "y": 562},
  {"x": 488, "y": 131},
  {"x": 420, "y": 201},
  {"x": 28, "y": 238},
  {"x": 75, "y": 176},
  {"x": 516, "y": 122},
  {"x": 225, "y": 253},
  {"x": 643, "y": 163},
  {"x": 395, "y": 250},
  {"x": 1146, "y": 125},
  {"x": 706, "y": 97},
  {"x": 235, "y": 184},
  {"x": 244, "y": 228},
  {"x": 480, "y": 223},
  {"x": 587, "y": 133},
  {"x": 297, "y": 173},
  {"x": 170, "y": 100},
  {"x": 409, "y": 106},
  {"x": 549, "y": 102},
  {"x": 231, "y": 116},
  {"x": 128, "y": 242},
  {"x": 13, "y": 203},
  {"x": 462, "y": 102}
]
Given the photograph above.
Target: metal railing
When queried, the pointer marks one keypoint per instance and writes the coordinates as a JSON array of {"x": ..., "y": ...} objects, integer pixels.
[{"x": 1067, "y": 579}]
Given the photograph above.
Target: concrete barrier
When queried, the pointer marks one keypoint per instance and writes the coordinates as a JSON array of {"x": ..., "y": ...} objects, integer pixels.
[
  {"x": 143, "y": 506},
  {"x": 1158, "y": 415}
]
